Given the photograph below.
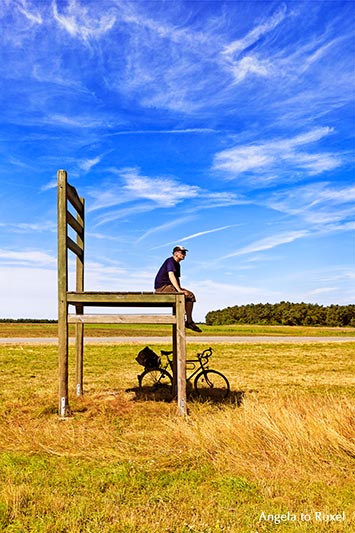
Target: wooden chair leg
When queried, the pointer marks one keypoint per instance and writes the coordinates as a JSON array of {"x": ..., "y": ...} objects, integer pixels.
[
  {"x": 63, "y": 357},
  {"x": 79, "y": 366},
  {"x": 181, "y": 354}
]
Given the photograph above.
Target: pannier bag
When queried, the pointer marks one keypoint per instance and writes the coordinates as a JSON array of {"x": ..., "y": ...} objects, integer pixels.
[{"x": 148, "y": 358}]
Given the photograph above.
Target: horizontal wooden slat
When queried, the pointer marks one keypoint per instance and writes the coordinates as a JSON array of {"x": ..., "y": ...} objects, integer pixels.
[
  {"x": 74, "y": 199},
  {"x": 144, "y": 299},
  {"x": 121, "y": 319},
  {"x": 75, "y": 224},
  {"x": 75, "y": 248}
]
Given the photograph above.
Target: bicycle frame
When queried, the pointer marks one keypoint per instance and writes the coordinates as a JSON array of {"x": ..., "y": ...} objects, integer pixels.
[{"x": 202, "y": 360}]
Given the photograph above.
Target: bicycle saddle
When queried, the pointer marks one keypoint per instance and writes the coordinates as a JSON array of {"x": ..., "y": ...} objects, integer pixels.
[{"x": 165, "y": 352}]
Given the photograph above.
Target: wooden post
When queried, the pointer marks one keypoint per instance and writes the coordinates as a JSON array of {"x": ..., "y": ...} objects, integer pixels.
[
  {"x": 62, "y": 295},
  {"x": 79, "y": 352},
  {"x": 181, "y": 354},
  {"x": 175, "y": 356}
]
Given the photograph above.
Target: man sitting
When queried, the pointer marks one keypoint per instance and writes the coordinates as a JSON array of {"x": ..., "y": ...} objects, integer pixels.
[{"x": 168, "y": 280}]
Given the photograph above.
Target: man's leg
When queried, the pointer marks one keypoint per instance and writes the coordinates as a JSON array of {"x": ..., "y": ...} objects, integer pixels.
[{"x": 189, "y": 305}]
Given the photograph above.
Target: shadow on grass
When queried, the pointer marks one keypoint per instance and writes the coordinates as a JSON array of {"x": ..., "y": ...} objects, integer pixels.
[{"x": 164, "y": 394}]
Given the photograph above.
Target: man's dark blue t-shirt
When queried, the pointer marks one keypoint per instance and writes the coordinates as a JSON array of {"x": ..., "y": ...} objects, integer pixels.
[{"x": 162, "y": 278}]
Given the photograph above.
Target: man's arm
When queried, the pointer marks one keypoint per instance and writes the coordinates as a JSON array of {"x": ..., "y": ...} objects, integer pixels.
[{"x": 174, "y": 281}]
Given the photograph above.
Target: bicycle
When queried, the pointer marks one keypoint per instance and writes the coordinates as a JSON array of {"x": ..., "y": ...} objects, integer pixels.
[{"x": 208, "y": 383}]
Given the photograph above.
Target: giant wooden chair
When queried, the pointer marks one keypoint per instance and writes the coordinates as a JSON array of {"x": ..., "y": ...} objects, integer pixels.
[{"x": 71, "y": 220}]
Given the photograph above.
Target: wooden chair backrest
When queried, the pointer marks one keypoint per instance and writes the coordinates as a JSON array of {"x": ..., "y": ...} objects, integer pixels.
[{"x": 69, "y": 201}]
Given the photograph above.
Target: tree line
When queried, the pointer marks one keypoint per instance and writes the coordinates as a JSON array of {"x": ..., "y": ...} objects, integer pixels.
[
  {"x": 28, "y": 320},
  {"x": 284, "y": 313}
]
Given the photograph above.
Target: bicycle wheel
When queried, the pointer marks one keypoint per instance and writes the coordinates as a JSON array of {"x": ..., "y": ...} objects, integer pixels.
[
  {"x": 157, "y": 383},
  {"x": 212, "y": 385}
]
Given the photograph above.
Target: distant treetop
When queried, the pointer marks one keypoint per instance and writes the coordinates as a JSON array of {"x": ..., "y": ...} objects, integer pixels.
[{"x": 284, "y": 313}]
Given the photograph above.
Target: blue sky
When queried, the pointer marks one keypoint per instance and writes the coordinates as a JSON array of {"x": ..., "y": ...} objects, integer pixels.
[{"x": 225, "y": 126}]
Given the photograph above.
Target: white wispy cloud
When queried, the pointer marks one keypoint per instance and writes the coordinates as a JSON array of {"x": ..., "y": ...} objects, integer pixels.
[
  {"x": 123, "y": 213},
  {"x": 317, "y": 203},
  {"x": 165, "y": 192},
  {"x": 52, "y": 184},
  {"x": 165, "y": 132},
  {"x": 213, "y": 200},
  {"x": 250, "y": 65},
  {"x": 164, "y": 227},
  {"x": 34, "y": 16},
  {"x": 200, "y": 233},
  {"x": 92, "y": 120},
  {"x": 168, "y": 65},
  {"x": 101, "y": 236},
  {"x": 87, "y": 164},
  {"x": 237, "y": 58},
  {"x": 268, "y": 161},
  {"x": 80, "y": 21},
  {"x": 136, "y": 193},
  {"x": 242, "y": 63},
  {"x": 131, "y": 14},
  {"x": 269, "y": 242},
  {"x": 160, "y": 191},
  {"x": 323, "y": 290},
  {"x": 196, "y": 235},
  {"x": 239, "y": 45},
  {"x": 26, "y": 227},
  {"x": 27, "y": 257}
]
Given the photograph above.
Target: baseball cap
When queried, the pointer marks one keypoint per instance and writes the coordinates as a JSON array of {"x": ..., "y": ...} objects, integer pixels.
[{"x": 179, "y": 248}]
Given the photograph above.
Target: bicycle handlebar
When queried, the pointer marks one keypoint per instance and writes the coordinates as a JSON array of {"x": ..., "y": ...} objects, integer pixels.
[{"x": 205, "y": 354}]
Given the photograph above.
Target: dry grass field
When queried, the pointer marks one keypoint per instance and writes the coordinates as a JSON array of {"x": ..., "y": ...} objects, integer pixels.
[{"x": 281, "y": 460}]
